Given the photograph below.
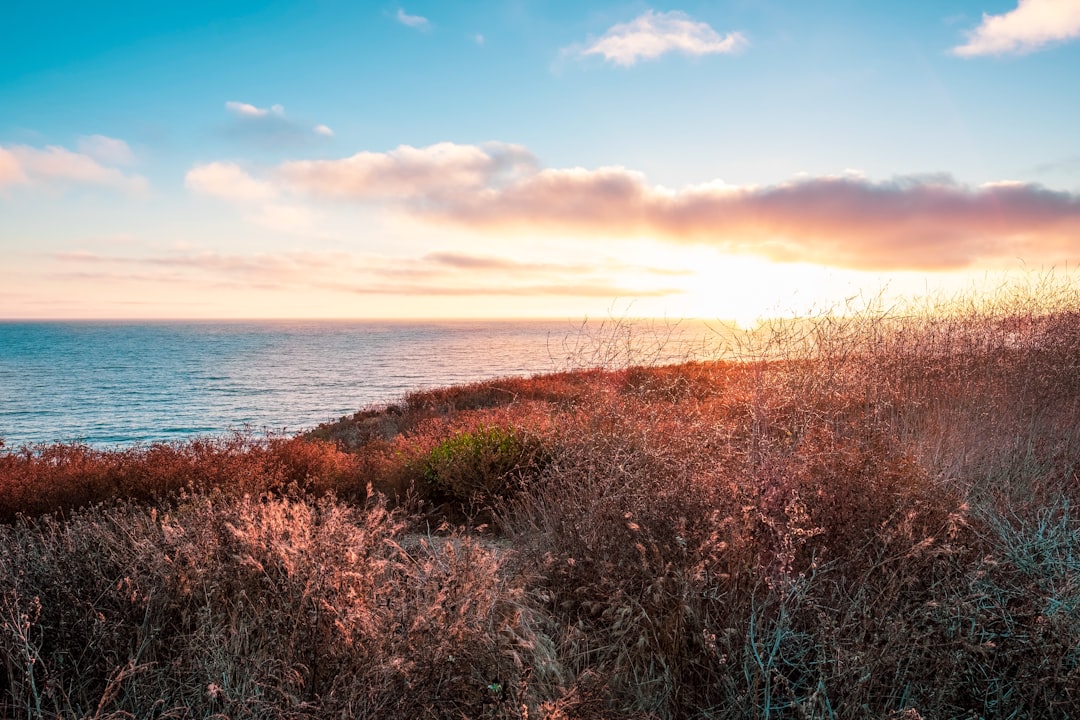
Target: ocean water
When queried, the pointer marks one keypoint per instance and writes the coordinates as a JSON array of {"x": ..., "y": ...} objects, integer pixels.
[{"x": 119, "y": 383}]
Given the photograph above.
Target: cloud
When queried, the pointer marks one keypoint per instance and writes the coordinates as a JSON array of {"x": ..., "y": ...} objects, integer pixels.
[
  {"x": 107, "y": 150},
  {"x": 271, "y": 126},
  {"x": 478, "y": 38},
  {"x": 653, "y": 34},
  {"x": 228, "y": 181},
  {"x": 1069, "y": 164},
  {"x": 604, "y": 290},
  {"x": 924, "y": 222},
  {"x": 342, "y": 272},
  {"x": 414, "y": 21},
  {"x": 408, "y": 172},
  {"x": 250, "y": 111},
  {"x": 58, "y": 167},
  {"x": 905, "y": 223},
  {"x": 11, "y": 172},
  {"x": 283, "y": 218},
  {"x": 1031, "y": 26},
  {"x": 264, "y": 270}
]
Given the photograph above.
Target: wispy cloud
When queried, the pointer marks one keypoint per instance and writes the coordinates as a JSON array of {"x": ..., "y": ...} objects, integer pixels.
[
  {"x": 1033, "y": 25},
  {"x": 11, "y": 172},
  {"x": 271, "y": 126},
  {"x": 262, "y": 198},
  {"x": 110, "y": 151},
  {"x": 436, "y": 274},
  {"x": 603, "y": 290},
  {"x": 228, "y": 181},
  {"x": 653, "y": 34},
  {"x": 417, "y": 22},
  {"x": 250, "y": 111},
  {"x": 57, "y": 167}
]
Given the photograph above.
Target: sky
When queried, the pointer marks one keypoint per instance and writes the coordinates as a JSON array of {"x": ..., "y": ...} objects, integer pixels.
[{"x": 338, "y": 159}]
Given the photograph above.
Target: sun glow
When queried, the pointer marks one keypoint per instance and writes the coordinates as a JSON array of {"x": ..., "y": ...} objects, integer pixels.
[{"x": 746, "y": 289}]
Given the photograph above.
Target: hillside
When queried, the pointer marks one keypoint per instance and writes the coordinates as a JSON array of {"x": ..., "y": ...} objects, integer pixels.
[{"x": 866, "y": 517}]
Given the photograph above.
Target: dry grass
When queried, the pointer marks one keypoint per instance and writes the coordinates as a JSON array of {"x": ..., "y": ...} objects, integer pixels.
[{"x": 858, "y": 517}]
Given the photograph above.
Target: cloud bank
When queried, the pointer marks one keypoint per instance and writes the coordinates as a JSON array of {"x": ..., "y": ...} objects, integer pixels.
[
  {"x": 58, "y": 168},
  {"x": 906, "y": 223},
  {"x": 924, "y": 222},
  {"x": 653, "y": 34},
  {"x": 1031, "y": 26}
]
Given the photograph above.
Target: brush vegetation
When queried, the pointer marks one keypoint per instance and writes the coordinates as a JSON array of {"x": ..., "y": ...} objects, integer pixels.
[{"x": 868, "y": 516}]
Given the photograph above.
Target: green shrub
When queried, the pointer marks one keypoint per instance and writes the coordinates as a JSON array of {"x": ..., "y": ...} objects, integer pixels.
[{"x": 481, "y": 465}]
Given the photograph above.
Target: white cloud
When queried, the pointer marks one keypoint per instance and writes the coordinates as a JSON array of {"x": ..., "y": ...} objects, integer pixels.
[
  {"x": 478, "y": 38},
  {"x": 250, "y": 111},
  {"x": 228, "y": 181},
  {"x": 408, "y": 171},
  {"x": 106, "y": 149},
  {"x": 653, "y": 34},
  {"x": 418, "y": 22},
  {"x": 270, "y": 126},
  {"x": 1031, "y": 26},
  {"x": 58, "y": 166}
]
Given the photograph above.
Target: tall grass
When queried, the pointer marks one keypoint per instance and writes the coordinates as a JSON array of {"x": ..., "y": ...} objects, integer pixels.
[{"x": 853, "y": 515}]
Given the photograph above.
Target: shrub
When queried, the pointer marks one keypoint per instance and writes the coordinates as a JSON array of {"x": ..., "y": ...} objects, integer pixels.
[{"x": 480, "y": 466}]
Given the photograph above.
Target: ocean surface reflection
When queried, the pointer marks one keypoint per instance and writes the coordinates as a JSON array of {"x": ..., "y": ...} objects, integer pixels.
[{"x": 118, "y": 383}]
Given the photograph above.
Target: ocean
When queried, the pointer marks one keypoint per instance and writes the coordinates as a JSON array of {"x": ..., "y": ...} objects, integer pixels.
[{"x": 113, "y": 383}]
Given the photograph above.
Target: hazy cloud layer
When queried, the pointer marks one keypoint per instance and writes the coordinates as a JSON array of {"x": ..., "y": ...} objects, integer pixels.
[
  {"x": 270, "y": 126},
  {"x": 58, "y": 167},
  {"x": 1031, "y": 26},
  {"x": 447, "y": 274},
  {"x": 653, "y": 34}
]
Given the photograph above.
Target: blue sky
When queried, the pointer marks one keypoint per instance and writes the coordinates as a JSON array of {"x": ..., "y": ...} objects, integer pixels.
[{"x": 345, "y": 159}]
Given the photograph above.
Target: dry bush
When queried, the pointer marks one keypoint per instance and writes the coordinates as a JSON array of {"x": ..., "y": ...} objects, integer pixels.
[
  {"x": 45, "y": 478},
  {"x": 261, "y": 608}
]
